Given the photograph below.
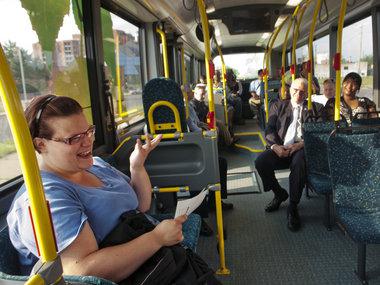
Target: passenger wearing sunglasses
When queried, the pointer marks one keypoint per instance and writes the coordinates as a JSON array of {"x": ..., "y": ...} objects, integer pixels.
[{"x": 86, "y": 196}]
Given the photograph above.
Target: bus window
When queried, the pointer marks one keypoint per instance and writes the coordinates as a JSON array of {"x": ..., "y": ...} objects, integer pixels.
[
  {"x": 321, "y": 52},
  {"x": 9, "y": 163},
  {"x": 244, "y": 65},
  {"x": 122, "y": 59},
  {"x": 357, "y": 53},
  {"x": 302, "y": 54},
  {"x": 44, "y": 46}
]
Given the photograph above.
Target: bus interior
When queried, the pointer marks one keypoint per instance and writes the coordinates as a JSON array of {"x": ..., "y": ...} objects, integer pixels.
[{"x": 107, "y": 54}]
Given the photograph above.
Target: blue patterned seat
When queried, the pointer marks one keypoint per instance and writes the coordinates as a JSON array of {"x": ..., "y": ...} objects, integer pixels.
[
  {"x": 9, "y": 263},
  {"x": 315, "y": 136},
  {"x": 354, "y": 160},
  {"x": 191, "y": 229},
  {"x": 164, "y": 89}
]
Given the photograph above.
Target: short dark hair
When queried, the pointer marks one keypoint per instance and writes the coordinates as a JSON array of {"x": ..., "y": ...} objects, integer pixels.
[
  {"x": 260, "y": 71},
  {"x": 42, "y": 108},
  {"x": 354, "y": 77},
  {"x": 328, "y": 81}
]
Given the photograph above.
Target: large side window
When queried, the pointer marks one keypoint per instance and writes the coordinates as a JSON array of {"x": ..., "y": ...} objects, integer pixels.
[
  {"x": 244, "y": 65},
  {"x": 302, "y": 54},
  {"x": 357, "y": 53},
  {"x": 321, "y": 54},
  {"x": 123, "y": 66},
  {"x": 44, "y": 46}
]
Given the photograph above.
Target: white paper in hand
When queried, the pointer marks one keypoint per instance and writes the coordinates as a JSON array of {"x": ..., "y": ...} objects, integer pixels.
[{"x": 185, "y": 207}]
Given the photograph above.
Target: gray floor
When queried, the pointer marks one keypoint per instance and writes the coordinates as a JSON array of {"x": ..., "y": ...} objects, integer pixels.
[{"x": 261, "y": 250}]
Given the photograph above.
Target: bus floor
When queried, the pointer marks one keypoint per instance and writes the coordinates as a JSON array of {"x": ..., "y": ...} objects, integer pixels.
[{"x": 261, "y": 250}]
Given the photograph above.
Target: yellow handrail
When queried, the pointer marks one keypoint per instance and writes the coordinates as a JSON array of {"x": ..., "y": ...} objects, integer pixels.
[
  {"x": 219, "y": 218},
  {"x": 224, "y": 71},
  {"x": 266, "y": 69},
  {"x": 310, "y": 51},
  {"x": 118, "y": 81},
  {"x": 337, "y": 60},
  {"x": 184, "y": 81},
  {"x": 293, "y": 67},
  {"x": 24, "y": 146},
  {"x": 206, "y": 37},
  {"x": 283, "y": 58},
  {"x": 164, "y": 52},
  {"x": 171, "y": 106}
]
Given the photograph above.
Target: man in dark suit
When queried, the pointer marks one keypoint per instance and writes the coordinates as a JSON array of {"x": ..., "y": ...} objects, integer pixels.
[{"x": 285, "y": 149}]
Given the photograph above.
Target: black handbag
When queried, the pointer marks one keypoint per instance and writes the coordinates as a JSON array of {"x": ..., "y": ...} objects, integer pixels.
[{"x": 173, "y": 265}]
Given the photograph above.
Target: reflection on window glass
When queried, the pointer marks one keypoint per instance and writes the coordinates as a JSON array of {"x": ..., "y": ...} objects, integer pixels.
[
  {"x": 321, "y": 54},
  {"x": 244, "y": 65},
  {"x": 357, "y": 53},
  {"x": 122, "y": 59},
  {"x": 302, "y": 54},
  {"x": 44, "y": 46}
]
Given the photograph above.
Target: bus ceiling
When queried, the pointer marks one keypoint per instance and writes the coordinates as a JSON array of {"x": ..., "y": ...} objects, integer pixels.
[{"x": 245, "y": 25}]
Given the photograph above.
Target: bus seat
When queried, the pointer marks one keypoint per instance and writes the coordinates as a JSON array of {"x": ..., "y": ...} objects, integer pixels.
[
  {"x": 316, "y": 135},
  {"x": 354, "y": 160},
  {"x": 272, "y": 97},
  {"x": 10, "y": 267},
  {"x": 191, "y": 229},
  {"x": 163, "y": 89},
  {"x": 365, "y": 122}
]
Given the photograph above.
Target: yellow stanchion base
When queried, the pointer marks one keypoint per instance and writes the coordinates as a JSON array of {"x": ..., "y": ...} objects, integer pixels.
[{"x": 223, "y": 271}]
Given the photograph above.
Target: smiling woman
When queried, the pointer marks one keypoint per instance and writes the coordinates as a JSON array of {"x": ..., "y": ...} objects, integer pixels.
[{"x": 80, "y": 190}]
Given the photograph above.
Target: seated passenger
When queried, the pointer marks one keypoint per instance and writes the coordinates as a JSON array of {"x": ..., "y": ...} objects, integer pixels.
[
  {"x": 233, "y": 98},
  {"x": 285, "y": 149},
  {"x": 217, "y": 82},
  {"x": 304, "y": 73},
  {"x": 287, "y": 92},
  {"x": 328, "y": 92},
  {"x": 350, "y": 105},
  {"x": 198, "y": 111},
  {"x": 256, "y": 88},
  {"x": 86, "y": 196}
]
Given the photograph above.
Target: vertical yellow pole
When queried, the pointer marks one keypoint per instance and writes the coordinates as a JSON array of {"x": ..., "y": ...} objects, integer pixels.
[
  {"x": 266, "y": 73},
  {"x": 24, "y": 146},
  {"x": 337, "y": 60},
  {"x": 295, "y": 39},
  {"x": 206, "y": 37},
  {"x": 284, "y": 46},
  {"x": 224, "y": 71},
  {"x": 218, "y": 201},
  {"x": 265, "y": 79},
  {"x": 310, "y": 61},
  {"x": 164, "y": 52},
  {"x": 184, "y": 81},
  {"x": 118, "y": 79}
]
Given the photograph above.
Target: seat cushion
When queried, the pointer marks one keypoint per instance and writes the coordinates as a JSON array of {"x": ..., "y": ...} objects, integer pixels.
[
  {"x": 320, "y": 182},
  {"x": 9, "y": 263},
  {"x": 361, "y": 227},
  {"x": 191, "y": 229}
]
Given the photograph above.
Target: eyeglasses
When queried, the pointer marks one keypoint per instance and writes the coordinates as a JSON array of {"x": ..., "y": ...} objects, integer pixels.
[
  {"x": 76, "y": 138},
  {"x": 301, "y": 92}
]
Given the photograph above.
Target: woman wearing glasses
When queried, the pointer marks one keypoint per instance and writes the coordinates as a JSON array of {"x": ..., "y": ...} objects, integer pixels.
[{"x": 86, "y": 196}]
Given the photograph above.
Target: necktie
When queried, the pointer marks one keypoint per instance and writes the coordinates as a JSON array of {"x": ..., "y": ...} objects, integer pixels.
[{"x": 291, "y": 133}]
